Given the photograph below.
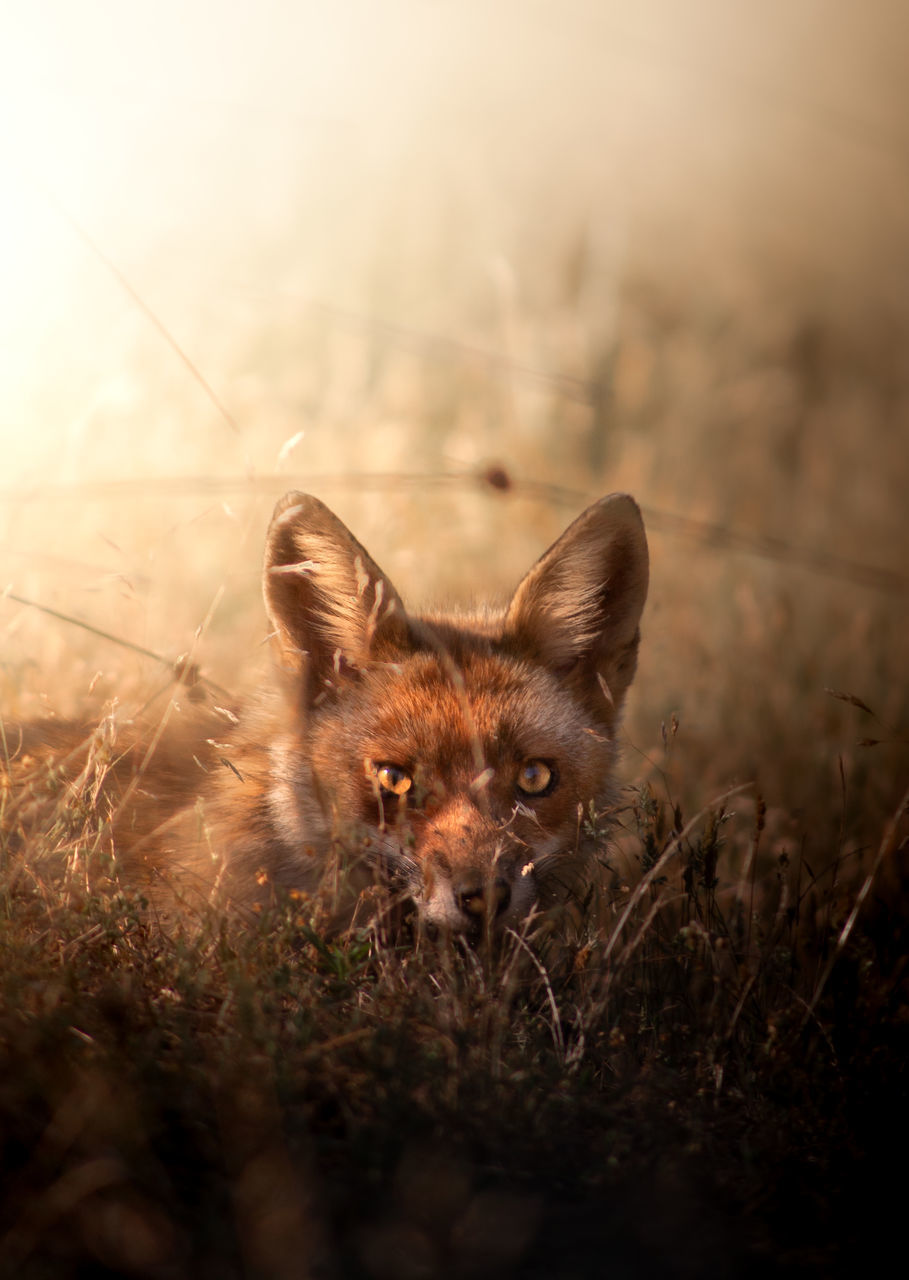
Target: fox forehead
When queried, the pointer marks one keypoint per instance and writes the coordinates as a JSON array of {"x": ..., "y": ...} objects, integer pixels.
[{"x": 426, "y": 708}]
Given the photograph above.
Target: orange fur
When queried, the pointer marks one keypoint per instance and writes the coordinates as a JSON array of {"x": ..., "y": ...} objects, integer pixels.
[{"x": 452, "y": 755}]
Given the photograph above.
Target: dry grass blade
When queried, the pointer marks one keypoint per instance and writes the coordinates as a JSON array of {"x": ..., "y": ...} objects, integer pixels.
[
  {"x": 662, "y": 862},
  {"x": 886, "y": 850},
  {"x": 851, "y": 699},
  {"x": 182, "y": 669},
  {"x": 556, "y": 1019},
  {"x": 139, "y": 302}
]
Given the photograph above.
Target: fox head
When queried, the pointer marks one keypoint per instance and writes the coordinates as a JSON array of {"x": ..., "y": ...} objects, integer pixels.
[{"x": 464, "y": 750}]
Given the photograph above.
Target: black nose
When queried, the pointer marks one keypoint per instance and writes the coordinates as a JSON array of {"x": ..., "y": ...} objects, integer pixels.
[{"x": 483, "y": 899}]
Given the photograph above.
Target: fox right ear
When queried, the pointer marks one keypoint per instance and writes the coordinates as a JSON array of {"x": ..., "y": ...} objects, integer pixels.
[
  {"x": 577, "y": 610},
  {"x": 331, "y": 607}
]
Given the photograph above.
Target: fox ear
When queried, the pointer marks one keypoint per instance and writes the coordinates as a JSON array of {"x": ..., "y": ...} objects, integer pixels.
[
  {"x": 331, "y": 607},
  {"x": 577, "y": 610}
]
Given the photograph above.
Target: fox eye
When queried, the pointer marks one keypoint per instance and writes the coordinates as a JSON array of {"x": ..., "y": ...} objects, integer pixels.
[
  {"x": 393, "y": 780},
  {"x": 536, "y": 778}
]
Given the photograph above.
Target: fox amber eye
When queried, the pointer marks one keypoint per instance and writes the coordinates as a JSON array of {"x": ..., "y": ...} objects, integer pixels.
[
  {"x": 536, "y": 778},
  {"x": 393, "y": 780}
]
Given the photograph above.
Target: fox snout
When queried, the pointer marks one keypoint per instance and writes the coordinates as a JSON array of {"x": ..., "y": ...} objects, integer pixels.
[
  {"x": 467, "y": 904},
  {"x": 480, "y": 900},
  {"x": 473, "y": 875}
]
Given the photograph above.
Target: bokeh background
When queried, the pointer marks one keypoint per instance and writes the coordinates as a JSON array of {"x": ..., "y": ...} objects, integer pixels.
[{"x": 374, "y": 250}]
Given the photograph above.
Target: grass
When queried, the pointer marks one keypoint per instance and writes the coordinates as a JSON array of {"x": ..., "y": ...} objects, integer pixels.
[
  {"x": 705, "y": 1075},
  {"x": 702, "y": 1073}
]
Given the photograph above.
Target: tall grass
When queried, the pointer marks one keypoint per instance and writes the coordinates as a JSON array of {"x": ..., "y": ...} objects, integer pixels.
[
  {"x": 698, "y": 1072},
  {"x": 691, "y": 1073}
]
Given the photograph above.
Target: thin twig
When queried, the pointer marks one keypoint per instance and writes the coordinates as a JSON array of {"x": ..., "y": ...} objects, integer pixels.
[
  {"x": 177, "y": 667},
  {"x": 138, "y": 300},
  {"x": 707, "y": 533}
]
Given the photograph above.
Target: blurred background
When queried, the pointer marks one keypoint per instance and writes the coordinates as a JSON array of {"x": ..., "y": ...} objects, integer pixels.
[{"x": 374, "y": 251}]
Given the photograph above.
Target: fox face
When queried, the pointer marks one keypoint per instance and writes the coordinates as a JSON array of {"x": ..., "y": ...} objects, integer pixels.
[{"x": 457, "y": 752}]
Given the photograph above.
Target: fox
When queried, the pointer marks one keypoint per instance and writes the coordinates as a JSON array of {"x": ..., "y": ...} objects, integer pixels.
[{"x": 453, "y": 755}]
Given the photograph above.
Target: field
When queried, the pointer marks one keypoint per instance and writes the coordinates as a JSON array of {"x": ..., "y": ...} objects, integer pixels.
[{"x": 642, "y": 255}]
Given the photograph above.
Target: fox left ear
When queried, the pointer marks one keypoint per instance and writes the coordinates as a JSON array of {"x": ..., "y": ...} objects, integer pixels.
[
  {"x": 578, "y": 609},
  {"x": 331, "y": 607}
]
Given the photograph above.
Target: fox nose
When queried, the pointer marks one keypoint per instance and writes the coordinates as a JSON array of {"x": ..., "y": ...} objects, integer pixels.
[{"x": 482, "y": 899}]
